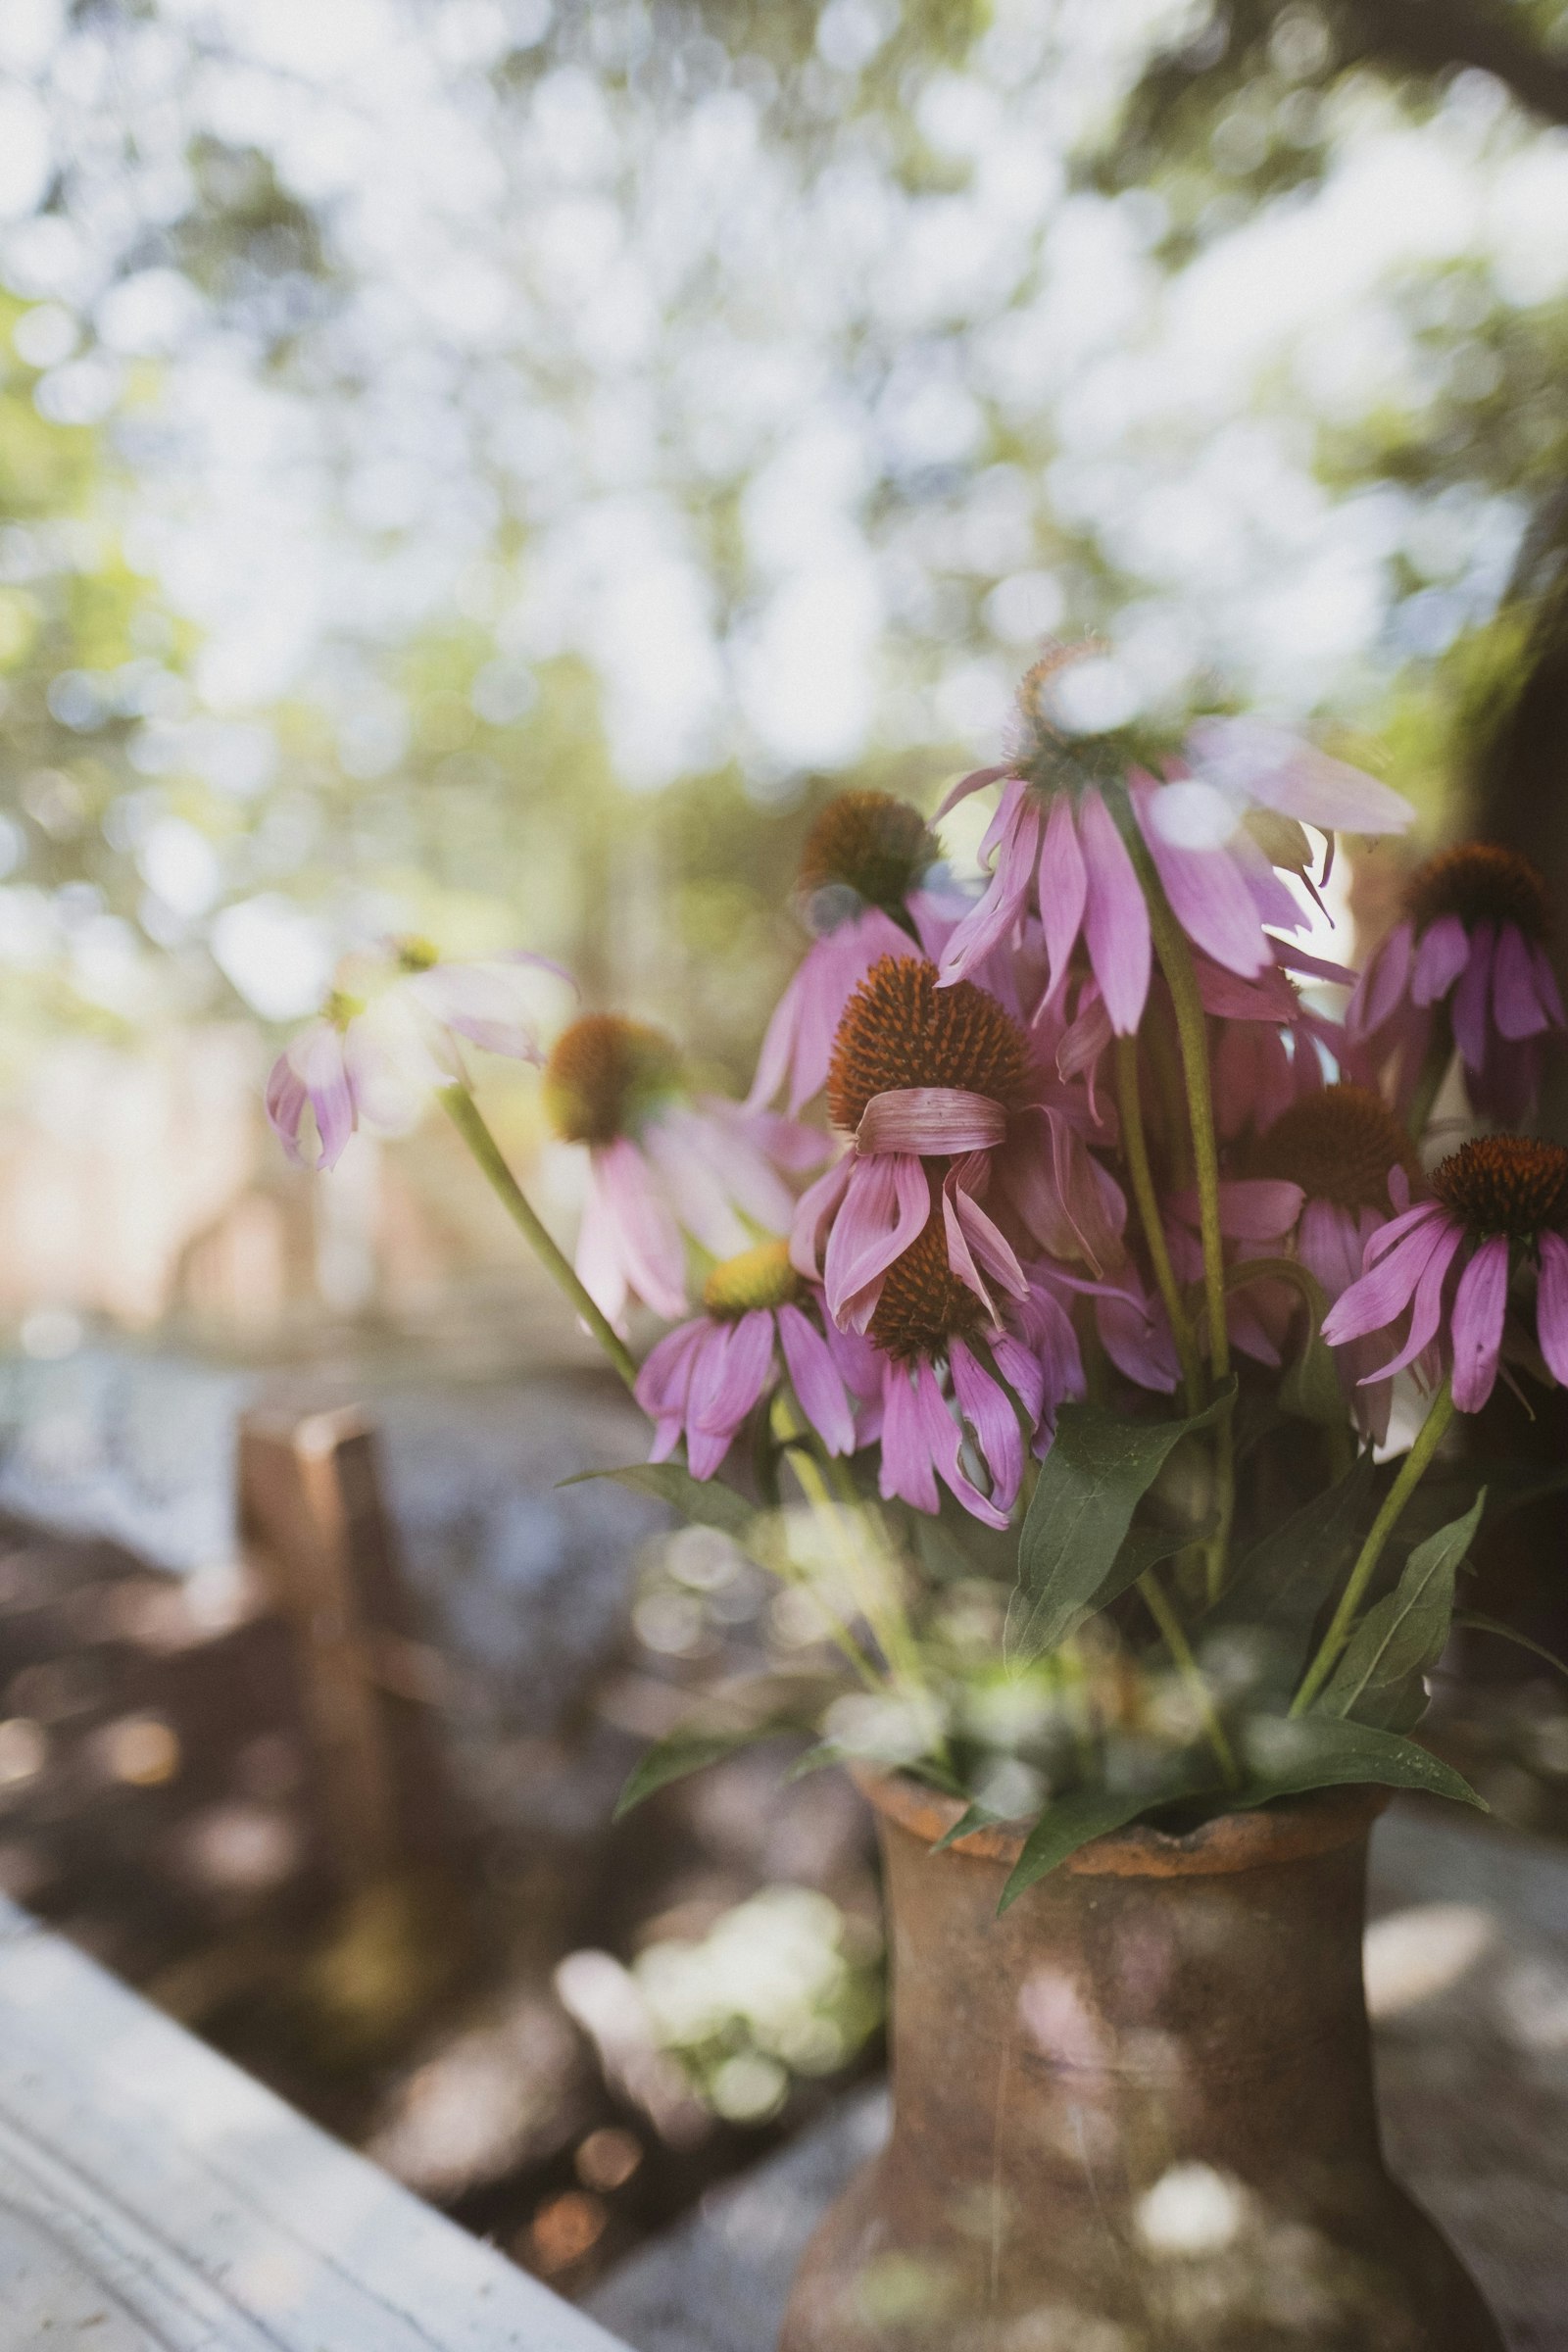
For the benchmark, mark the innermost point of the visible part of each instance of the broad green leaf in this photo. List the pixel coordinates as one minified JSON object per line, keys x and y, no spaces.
{"x":688,"y":1751}
{"x":1088,"y":1813}
{"x":1285,"y":1580}
{"x":1378,"y":1680}
{"x":1098,"y":1471}
{"x":1289,"y":1757}
{"x":1505,"y":1633}
{"x":703,"y":1500}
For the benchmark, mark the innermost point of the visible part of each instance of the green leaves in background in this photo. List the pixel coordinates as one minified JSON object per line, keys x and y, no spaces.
{"x":1379,"y":1679}
{"x":703,"y":1501}
{"x":1310,"y":1388}
{"x":1284,"y":1581}
{"x":1088,"y":1813}
{"x":1091,"y":1483}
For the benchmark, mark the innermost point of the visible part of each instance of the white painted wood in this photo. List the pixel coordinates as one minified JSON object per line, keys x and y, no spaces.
{"x":153,"y":2198}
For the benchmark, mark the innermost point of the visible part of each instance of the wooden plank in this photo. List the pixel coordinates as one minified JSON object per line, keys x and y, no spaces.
{"x":311,"y":1511}
{"x":155,"y":2199}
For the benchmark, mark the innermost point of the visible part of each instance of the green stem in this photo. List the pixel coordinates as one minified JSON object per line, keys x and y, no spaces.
{"x":463,"y":1113}
{"x":1411,"y":1471}
{"x":1435,"y":1066}
{"x":1176,"y":1642}
{"x":1135,"y":1143}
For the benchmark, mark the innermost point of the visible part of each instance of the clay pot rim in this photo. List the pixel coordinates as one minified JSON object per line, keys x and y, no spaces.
{"x":1292,"y":1830}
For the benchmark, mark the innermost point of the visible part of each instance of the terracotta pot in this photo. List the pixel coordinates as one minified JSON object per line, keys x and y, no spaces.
{"x":1136,"y":2113}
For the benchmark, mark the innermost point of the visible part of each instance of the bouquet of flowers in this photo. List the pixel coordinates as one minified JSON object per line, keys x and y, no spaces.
{"x":1043,"y":1309}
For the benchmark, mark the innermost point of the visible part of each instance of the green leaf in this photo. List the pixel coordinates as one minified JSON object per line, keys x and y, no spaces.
{"x":1098,"y":1471}
{"x":1378,"y":1680}
{"x":974,"y":1817}
{"x":1285,"y":1580}
{"x":1288,"y":1757}
{"x":1088,"y":1813}
{"x":820,"y":1758}
{"x":703,"y":1500}
{"x":692,"y":1751}
{"x":1310,"y":1388}
{"x":1505,"y":1633}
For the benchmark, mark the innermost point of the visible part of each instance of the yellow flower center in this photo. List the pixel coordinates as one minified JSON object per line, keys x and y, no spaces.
{"x":754,"y":1278}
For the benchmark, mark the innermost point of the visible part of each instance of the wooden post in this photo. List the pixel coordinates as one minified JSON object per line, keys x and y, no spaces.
{"x":311,"y":1513}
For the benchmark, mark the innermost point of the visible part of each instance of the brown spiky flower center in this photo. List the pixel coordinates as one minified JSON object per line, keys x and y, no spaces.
{"x":923,"y":1304}
{"x":1481,"y":883}
{"x":870,"y":844}
{"x":899,"y":1029}
{"x":1339,"y":1145}
{"x":605,"y":1075}
{"x":753,"y":1278}
{"x":1506,"y":1184}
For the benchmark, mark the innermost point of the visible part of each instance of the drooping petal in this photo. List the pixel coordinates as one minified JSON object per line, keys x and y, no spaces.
{"x":1384,"y":985}
{"x":1330,"y":1242}
{"x":1551,"y":1306}
{"x":942,"y":1437}
{"x":1115,"y":916}
{"x":647,"y":1235}
{"x":886,"y":1203}
{"x":814,"y":1378}
{"x":286,"y":1105}
{"x":1006,"y":895}
{"x":1472,"y":999}
{"x":937,"y":1120}
{"x":1064,"y":886}
{"x":1383,"y":1292}
{"x":991,"y":1415}
{"x":1546,"y":989}
{"x":1206,"y":889}
{"x":1426,"y":1303}
{"x":321,"y":1067}
{"x":1250,"y":757}
{"x":665,"y":1378}
{"x":1138,"y":1342}
{"x":905,"y":1470}
{"x":815,"y":1212}
{"x":1479,"y":1305}
{"x":975,"y":782}
{"x":976,"y":1246}
{"x":1515,"y":1002}
{"x":1440,"y":958}
{"x":1251,"y":1208}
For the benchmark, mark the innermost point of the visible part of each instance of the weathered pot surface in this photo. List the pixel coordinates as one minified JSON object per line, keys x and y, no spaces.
{"x":1136,"y":2113}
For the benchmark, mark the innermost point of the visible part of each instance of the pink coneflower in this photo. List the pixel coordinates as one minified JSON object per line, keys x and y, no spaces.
{"x":704,"y":1379}
{"x":928,"y":1325}
{"x":1350,"y":1166}
{"x":937,"y":1088}
{"x":393,"y":1032}
{"x":1215,"y":829}
{"x":1501,"y":1202}
{"x":1470,"y":954}
{"x":859,"y":885}
{"x":661,"y":1163}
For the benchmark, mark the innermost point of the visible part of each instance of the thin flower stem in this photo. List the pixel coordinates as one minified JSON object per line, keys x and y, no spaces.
{"x":1411,"y":1471}
{"x":1180,"y":977}
{"x":1435,"y":1066}
{"x":1135,"y":1143}
{"x":1186,"y":1666}
{"x":464,"y":1115}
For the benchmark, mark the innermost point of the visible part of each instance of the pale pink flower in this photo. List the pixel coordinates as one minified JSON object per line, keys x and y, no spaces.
{"x":394,"y":1030}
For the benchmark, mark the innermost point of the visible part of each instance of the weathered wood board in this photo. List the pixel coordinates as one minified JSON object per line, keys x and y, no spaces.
{"x":153,"y":2198}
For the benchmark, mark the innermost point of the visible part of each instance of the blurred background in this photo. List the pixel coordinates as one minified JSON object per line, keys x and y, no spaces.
{"x":489,"y":468}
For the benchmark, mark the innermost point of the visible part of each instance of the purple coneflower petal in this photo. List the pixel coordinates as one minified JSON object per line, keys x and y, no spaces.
{"x":321,"y":1064}
{"x":905,"y":1469}
{"x":1546,"y":989}
{"x":814,"y":1378}
{"x":285,"y":1104}
{"x":1384,"y":985}
{"x":1472,"y":999}
{"x":1330,"y":1241}
{"x":647,"y":1235}
{"x":993,"y":1417}
{"x":665,"y":1377}
{"x":1479,"y":1305}
{"x":975,"y":782}
{"x":1439,"y":958}
{"x":1115,"y":916}
{"x":1207,"y":893}
{"x":1064,"y":886}
{"x":942,"y":1435}
{"x":1016,"y":828}
{"x":1384,"y":1236}
{"x":1384,"y":1292}
{"x":1426,"y":1304}
{"x":1265,"y":763}
{"x":1515,"y":1000}
{"x":886,"y":1203}
{"x":1138,"y":1342}
{"x":976,"y":1245}
{"x":936,"y":1121}
{"x":1551,"y":1305}
{"x":815,"y":1212}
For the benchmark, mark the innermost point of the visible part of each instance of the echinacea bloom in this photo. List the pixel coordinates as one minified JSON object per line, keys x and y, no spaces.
{"x":392,"y":1033}
{"x":938,"y":1090}
{"x":859,"y":885}
{"x":1470,"y":951}
{"x":1352,"y":1169}
{"x":661,"y":1164}
{"x":704,"y":1379}
{"x":1443,"y":1272}
{"x":945,"y":1370}
{"x":1216,"y":828}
